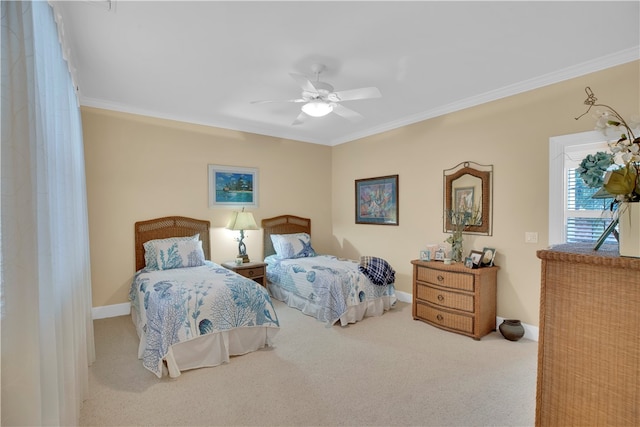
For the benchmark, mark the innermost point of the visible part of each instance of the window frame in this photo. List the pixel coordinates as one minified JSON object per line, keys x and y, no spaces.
{"x":562,"y":148}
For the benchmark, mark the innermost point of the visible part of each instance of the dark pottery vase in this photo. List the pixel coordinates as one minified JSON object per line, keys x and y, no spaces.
{"x":512,"y":329}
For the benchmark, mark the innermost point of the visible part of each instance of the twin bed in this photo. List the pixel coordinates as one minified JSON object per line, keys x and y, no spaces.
{"x":190,"y":312}
{"x":329,"y":288}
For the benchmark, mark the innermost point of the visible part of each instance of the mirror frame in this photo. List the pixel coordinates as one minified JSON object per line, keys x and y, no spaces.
{"x":485,"y":174}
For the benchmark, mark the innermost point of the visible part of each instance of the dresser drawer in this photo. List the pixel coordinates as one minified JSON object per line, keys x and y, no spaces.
{"x":444,"y":318}
{"x":446,"y":278}
{"x":446,"y":299}
{"x":251,"y":272}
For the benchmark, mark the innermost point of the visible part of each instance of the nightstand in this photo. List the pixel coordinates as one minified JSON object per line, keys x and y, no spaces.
{"x":256,"y":271}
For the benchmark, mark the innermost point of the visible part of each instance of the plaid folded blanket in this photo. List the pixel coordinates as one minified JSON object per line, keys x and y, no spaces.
{"x":377,"y":270}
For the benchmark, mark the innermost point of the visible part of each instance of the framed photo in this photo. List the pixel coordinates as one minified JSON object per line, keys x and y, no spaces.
{"x":425,"y":255}
{"x":463,"y":201}
{"x":231,"y":186}
{"x":468,"y":262}
{"x":488,"y":255}
{"x":439,"y":255}
{"x":476,"y":258}
{"x":377,"y":200}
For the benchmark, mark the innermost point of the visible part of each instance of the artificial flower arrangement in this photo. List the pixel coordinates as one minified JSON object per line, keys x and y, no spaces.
{"x":616,"y":173}
{"x":460,"y":219}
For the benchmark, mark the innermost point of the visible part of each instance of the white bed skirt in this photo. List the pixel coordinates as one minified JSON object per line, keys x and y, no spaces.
{"x":354,"y":313}
{"x":211,"y":349}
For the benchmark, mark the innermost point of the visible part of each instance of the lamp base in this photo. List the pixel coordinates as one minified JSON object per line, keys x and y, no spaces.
{"x":245,"y":258}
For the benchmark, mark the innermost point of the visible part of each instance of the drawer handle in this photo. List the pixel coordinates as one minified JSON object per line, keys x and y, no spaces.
{"x":440,"y":278}
{"x":440,"y":298}
{"x":440,"y":317}
{"x":250,"y":273}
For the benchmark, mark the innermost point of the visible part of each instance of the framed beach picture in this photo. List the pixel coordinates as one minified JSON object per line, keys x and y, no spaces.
{"x":231,"y":186}
{"x":377,"y":200}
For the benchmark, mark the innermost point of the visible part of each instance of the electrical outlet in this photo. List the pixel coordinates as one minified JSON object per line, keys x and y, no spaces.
{"x":531,"y":237}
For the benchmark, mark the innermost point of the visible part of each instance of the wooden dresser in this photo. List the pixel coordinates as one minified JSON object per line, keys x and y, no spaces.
{"x":589,"y":341}
{"x":454,"y":297}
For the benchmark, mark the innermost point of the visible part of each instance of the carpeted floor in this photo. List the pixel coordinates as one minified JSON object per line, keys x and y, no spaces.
{"x":383,"y":371}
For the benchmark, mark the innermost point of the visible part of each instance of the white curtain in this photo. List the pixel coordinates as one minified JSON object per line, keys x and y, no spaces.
{"x":47,"y":331}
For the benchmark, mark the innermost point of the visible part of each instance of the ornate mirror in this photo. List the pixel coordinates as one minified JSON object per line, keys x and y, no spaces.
{"x":467,"y":188}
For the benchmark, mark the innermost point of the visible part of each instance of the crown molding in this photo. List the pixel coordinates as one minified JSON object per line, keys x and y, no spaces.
{"x":602,"y":63}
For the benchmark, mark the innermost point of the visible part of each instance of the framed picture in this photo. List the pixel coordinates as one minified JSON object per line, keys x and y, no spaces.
{"x":231,"y":186}
{"x":463,"y":201}
{"x":476,"y":258}
{"x":377,"y":200}
{"x":439,"y":255}
{"x":488,"y":255}
{"x":468,"y":262}
{"x":425,"y":255}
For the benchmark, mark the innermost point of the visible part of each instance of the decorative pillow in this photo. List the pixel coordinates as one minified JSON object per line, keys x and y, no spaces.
{"x":297,"y":245}
{"x":151,"y":254}
{"x":184,"y":253}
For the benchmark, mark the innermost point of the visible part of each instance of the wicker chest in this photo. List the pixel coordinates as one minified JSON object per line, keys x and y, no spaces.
{"x":454,"y":297}
{"x":589,"y":342}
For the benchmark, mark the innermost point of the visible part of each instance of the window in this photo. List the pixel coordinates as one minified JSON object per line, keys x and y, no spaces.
{"x":574,"y":216}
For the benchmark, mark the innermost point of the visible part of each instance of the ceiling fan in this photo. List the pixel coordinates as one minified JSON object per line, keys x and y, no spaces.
{"x":319,"y":98}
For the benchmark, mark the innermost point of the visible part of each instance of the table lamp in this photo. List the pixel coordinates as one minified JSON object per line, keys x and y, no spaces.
{"x":242,"y":221}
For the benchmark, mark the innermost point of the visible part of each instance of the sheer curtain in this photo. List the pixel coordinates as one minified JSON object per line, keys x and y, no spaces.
{"x":47,"y":331}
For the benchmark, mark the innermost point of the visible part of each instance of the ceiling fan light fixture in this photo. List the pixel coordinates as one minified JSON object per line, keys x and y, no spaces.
{"x":317,"y":108}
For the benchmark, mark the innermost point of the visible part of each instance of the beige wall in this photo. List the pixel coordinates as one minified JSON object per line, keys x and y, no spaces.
{"x":140,"y":168}
{"x":511,"y":134}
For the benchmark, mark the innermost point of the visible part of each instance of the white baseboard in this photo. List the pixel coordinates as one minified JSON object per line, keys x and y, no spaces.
{"x":404,"y":297}
{"x":114,"y":310}
{"x":124,"y":309}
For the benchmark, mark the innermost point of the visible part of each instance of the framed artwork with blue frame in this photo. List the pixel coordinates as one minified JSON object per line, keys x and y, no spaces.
{"x":231,"y":186}
{"x":377,"y":200}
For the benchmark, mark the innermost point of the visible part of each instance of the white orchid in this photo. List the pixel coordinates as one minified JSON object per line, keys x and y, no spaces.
{"x":622,"y":177}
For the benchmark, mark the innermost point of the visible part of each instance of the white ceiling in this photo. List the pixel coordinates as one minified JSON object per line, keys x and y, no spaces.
{"x":204,"y":61}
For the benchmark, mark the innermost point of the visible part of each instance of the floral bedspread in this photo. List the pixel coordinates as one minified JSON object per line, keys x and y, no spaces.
{"x":330,"y":282}
{"x":181,"y":304}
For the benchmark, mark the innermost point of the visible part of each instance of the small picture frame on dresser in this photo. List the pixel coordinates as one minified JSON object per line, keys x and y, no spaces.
{"x":439,"y":255}
{"x":425,"y":255}
{"x":468,"y":262}
{"x":476,"y":258}
{"x":488,"y":255}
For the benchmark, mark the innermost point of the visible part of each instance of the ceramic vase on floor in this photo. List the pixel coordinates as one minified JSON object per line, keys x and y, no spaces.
{"x":511,"y":329}
{"x":629,"y":229}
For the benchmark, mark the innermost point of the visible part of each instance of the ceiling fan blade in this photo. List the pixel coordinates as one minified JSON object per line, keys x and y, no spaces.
{"x":347,"y":113}
{"x":284,"y":100}
{"x":304,"y":83}
{"x":354,"y":94}
{"x":300,"y":119}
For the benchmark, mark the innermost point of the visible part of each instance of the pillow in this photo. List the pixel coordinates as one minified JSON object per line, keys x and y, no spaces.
{"x":296,"y":245}
{"x":180,"y":254}
{"x":150,"y":253}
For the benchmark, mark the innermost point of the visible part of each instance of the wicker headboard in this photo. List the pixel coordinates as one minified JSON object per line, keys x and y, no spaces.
{"x":283,"y":224}
{"x":170,"y":226}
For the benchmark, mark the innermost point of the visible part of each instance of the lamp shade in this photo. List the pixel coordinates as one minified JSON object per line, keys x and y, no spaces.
{"x":317,"y":108}
{"x":242,"y":221}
